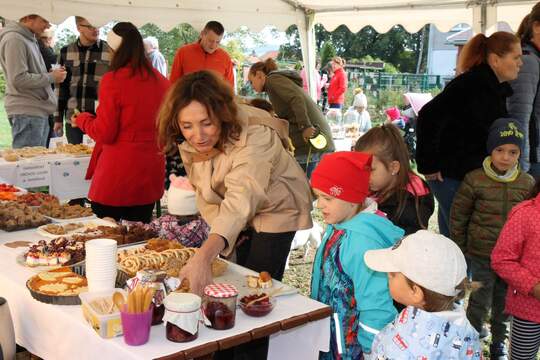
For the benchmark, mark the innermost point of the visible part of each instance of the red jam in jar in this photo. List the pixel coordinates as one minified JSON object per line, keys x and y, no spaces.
{"x":157,"y":315}
{"x":220,"y":305}
{"x":174,"y":333}
{"x":182,"y":316}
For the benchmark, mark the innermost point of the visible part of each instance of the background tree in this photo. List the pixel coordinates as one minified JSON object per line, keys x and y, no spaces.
{"x":170,"y":41}
{"x":327,"y":52}
{"x":398,"y":47}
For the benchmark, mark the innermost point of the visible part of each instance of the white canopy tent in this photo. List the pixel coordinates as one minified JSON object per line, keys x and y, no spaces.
{"x":256,"y":14}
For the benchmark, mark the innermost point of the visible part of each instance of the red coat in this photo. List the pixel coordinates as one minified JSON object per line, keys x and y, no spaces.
{"x":337,"y":88}
{"x":127,"y":167}
{"x":516,"y":258}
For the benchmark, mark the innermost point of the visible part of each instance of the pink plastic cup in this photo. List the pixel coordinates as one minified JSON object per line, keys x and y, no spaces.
{"x":136,"y":326}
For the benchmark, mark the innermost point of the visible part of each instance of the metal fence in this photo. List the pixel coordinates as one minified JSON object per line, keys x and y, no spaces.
{"x":376,"y":81}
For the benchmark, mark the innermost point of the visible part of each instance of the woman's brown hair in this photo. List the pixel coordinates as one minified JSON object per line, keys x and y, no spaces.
{"x":387,"y":144}
{"x":265,"y":66}
{"x":131,"y":50}
{"x":477,"y":49}
{"x":338,"y":60}
{"x":208,"y":89}
{"x":525,"y":30}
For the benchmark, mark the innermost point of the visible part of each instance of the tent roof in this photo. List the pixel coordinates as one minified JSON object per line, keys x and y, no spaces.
{"x":256,"y":14}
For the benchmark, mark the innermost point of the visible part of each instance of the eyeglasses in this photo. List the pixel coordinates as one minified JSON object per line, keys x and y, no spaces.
{"x":89,"y":27}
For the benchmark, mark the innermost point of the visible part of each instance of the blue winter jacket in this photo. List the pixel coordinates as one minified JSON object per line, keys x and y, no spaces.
{"x":524,"y":105}
{"x":363,"y":232}
{"x":420,"y":335}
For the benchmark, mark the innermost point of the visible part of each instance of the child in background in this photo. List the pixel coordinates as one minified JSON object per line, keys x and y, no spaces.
{"x":393,"y":116}
{"x":479,"y":210}
{"x":427,"y":273}
{"x":183,"y":223}
{"x":358,"y":296}
{"x":399,"y":192}
{"x":515,"y":258}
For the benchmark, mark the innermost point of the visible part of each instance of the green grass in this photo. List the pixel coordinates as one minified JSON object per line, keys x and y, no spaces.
{"x":5,"y":128}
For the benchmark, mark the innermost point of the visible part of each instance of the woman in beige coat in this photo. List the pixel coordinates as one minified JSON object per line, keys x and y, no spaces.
{"x":247,"y":185}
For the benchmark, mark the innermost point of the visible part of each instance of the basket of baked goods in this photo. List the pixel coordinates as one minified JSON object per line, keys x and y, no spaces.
{"x":60,"y":286}
{"x":61,"y":212}
{"x":25,"y":153}
{"x":15,"y":216}
{"x":160,"y":254}
{"x":76,"y":150}
{"x":36,"y":199}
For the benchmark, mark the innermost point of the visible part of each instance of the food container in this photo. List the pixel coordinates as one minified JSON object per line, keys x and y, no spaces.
{"x":219,"y":306}
{"x":107,"y":326}
{"x":136,"y":326}
{"x":182,"y":316}
{"x":258,"y":308}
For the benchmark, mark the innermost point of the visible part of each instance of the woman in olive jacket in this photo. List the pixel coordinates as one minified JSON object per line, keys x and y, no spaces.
{"x":452,"y":128}
{"x":290,"y":102}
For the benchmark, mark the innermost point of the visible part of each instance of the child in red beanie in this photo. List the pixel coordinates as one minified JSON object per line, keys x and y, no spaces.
{"x":359,"y":296}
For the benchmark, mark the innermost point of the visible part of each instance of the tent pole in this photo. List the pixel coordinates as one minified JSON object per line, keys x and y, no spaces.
{"x":306,"y":29}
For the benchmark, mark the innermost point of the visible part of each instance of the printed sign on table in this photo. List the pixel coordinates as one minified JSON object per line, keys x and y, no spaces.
{"x":33,"y":174}
{"x":57,"y":141}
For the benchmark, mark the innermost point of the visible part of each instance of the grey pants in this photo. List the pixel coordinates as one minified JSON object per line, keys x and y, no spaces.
{"x":29,"y":130}
{"x":492,"y":296}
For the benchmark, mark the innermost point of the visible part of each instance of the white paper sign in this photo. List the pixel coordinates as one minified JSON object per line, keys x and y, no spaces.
{"x":34,"y":174}
{"x":87,"y":140}
{"x":56,"y":141}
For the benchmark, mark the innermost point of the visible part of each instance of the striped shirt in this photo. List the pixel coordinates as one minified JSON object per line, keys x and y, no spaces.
{"x":85,"y":65}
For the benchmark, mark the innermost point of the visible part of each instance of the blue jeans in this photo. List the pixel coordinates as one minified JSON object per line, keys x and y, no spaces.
{"x":444,"y":192}
{"x":29,"y":130}
{"x":313,"y":162}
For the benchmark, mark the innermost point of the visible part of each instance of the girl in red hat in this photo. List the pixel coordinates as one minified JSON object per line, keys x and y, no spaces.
{"x":359,"y":297}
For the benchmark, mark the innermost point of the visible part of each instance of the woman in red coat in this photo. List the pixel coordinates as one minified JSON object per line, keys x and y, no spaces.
{"x":338,"y":84}
{"x":127,"y":167}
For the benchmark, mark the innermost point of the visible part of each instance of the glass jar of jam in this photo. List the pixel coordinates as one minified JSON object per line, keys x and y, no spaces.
{"x":182,"y":316}
{"x":219,"y":305}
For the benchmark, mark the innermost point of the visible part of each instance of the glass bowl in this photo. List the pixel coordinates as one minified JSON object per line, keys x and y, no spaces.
{"x":257,"y":309}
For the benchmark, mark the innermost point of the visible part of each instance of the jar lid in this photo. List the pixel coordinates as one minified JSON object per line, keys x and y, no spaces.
{"x":220,"y":290}
{"x":182,"y":302}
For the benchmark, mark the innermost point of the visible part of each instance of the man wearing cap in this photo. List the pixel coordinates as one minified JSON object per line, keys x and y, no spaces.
{"x":86,"y":60}
{"x":29,"y":96}
{"x":205,"y":54}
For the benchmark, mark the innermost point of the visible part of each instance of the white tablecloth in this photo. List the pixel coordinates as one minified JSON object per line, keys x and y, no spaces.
{"x":63,"y":174}
{"x":60,"y":332}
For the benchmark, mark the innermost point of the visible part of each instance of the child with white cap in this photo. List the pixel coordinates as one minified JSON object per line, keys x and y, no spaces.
{"x":183,"y":222}
{"x":427,"y":273}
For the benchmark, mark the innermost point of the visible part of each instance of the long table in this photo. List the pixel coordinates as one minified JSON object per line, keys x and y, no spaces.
{"x":63,"y":174}
{"x":298,"y":327}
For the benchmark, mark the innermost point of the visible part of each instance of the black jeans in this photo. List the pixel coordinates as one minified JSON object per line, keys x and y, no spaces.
{"x":141,"y":213}
{"x":260,"y":252}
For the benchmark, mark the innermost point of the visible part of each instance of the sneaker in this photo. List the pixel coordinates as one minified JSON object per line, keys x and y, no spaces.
{"x":498,"y":351}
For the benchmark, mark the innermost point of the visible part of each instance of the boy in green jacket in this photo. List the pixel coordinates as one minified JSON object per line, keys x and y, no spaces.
{"x":479,"y":211}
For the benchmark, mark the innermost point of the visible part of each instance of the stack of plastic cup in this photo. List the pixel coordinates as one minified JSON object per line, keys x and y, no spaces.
{"x":101,"y":264}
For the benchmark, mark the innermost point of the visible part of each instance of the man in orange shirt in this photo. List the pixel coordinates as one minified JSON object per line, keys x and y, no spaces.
{"x":205,"y":54}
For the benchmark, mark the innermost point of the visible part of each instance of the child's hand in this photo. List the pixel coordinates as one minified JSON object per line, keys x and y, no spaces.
{"x":536,"y":291}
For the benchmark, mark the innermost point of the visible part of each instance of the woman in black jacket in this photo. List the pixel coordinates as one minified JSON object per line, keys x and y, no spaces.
{"x":452,"y":128}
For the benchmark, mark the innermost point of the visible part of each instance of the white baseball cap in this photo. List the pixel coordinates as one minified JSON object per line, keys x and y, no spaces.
{"x":431,"y":260}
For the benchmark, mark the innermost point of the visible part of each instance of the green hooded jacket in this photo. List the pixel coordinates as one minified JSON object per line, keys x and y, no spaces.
{"x":292,"y":103}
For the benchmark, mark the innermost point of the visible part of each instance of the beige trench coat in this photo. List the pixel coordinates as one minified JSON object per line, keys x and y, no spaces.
{"x":255,"y":182}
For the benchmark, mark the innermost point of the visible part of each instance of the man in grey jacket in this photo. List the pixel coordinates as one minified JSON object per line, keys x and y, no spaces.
{"x":29,"y":97}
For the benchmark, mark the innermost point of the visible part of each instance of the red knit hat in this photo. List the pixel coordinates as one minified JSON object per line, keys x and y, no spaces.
{"x":393,"y":113}
{"x":343,"y":175}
